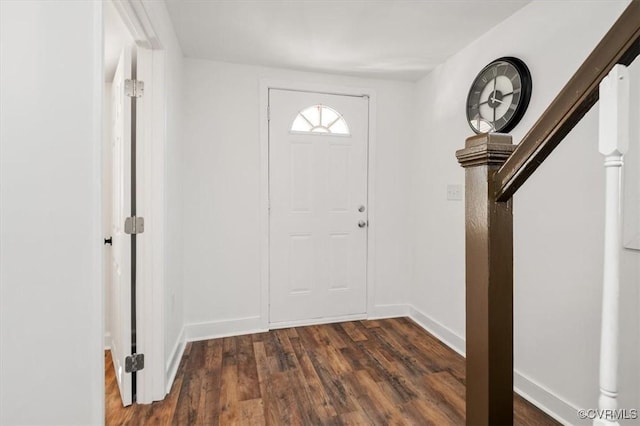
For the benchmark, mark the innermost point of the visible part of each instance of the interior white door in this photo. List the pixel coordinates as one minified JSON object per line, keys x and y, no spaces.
{"x":318,"y":205}
{"x":120,"y":286}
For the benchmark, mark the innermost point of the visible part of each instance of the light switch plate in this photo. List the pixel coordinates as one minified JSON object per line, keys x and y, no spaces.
{"x":454,"y":192}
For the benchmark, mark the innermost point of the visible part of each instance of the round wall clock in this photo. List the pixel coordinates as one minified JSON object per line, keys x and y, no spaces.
{"x":499,"y":96}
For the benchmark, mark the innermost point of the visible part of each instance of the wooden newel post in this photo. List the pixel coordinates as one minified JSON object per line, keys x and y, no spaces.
{"x":489,"y":283}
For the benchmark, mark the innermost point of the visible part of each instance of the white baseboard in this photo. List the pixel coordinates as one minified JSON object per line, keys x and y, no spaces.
{"x":388,"y":311}
{"x":315,"y":321}
{"x":378,"y":312}
{"x":224,"y":328}
{"x":540,"y":396}
{"x":443,"y":333}
{"x":107,"y":340}
{"x":174,"y":361}
{"x":546,"y":400}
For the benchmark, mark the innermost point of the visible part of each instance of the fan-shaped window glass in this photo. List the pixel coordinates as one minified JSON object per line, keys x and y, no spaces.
{"x":320,"y":119}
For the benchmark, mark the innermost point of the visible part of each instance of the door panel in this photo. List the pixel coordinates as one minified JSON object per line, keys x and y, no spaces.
{"x":317,"y":184}
{"x":120,"y":286}
{"x":338,"y":178}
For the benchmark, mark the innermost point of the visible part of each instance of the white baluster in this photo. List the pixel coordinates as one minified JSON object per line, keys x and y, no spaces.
{"x":613,"y":143}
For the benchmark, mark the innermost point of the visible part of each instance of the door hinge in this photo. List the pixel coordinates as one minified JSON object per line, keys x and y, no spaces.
{"x":268,"y":113}
{"x":133,"y":88}
{"x":133,"y":363}
{"x":134,"y":225}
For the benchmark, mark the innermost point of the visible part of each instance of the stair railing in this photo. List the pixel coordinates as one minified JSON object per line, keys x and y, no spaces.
{"x":494,"y":170}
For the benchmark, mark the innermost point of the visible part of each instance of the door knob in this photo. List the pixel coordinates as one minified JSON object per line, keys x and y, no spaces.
{"x":361,"y":209}
{"x":362,"y":223}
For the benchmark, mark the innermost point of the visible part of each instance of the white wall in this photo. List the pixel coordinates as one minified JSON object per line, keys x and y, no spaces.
{"x":51,"y":355}
{"x":222,"y":191}
{"x":173,"y":184}
{"x":558,"y":214}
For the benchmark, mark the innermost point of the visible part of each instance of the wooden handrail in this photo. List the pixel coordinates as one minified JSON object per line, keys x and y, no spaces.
{"x":621,"y":45}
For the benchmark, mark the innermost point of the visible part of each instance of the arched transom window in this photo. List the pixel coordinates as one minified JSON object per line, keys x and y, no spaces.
{"x":320,"y":119}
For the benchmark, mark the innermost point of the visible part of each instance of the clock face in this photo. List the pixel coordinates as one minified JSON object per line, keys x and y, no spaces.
{"x":499,"y":96}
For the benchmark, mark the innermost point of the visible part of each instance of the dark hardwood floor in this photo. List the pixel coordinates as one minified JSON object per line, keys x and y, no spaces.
{"x":354,"y":373}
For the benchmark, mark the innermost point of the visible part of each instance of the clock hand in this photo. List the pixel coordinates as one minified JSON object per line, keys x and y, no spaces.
{"x":492,"y":97}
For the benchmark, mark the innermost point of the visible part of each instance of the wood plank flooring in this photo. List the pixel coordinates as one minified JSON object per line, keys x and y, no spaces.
{"x":354,"y":373}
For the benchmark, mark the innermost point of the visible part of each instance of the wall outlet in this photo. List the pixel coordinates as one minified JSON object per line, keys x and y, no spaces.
{"x":454,"y":192}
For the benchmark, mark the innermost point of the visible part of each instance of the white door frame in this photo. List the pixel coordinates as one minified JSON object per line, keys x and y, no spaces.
{"x":150,"y":143}
{"x":265,"y":85}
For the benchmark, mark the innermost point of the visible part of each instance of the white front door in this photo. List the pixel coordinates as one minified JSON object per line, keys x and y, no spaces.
{"x":318,"y":145}
{"x":120,"y":285}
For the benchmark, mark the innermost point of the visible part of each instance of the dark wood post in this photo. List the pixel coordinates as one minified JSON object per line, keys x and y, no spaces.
{"x":489,"y":283}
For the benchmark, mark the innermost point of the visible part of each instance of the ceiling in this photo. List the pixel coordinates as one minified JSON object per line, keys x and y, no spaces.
{"x":395,"y":39}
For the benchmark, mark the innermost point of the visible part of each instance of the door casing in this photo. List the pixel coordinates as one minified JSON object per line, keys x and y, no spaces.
{"x":265,"y":85}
